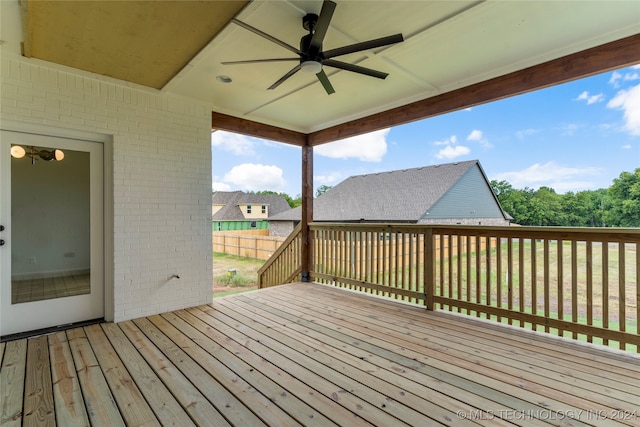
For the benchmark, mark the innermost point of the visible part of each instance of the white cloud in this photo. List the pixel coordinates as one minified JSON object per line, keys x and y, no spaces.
{"x":370,"y":147}
{"x":256,"y":177}
{"x":522,"y":134}
{"x":569,"y":129}
{"x":477,"y":135}
{"x":328,"y":179}
{"x":451,"y":152}
{"x":627,"y":147}
{"x":629,"y":102}
{"x":591,"y":99}
{"x":617,"y":76}
{"x":239,"y":145}
{"x":451,"y":140}
{"x":220,"y":186}
{"x":560,"y":178}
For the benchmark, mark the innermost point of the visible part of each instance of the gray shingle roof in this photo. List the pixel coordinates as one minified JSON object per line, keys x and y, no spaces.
{"x":231,"y":199}
{"x":402,"y":195}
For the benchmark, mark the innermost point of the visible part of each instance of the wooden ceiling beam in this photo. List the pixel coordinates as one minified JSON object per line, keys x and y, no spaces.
{"x":600,"y":59}
{"x":259,"y":130}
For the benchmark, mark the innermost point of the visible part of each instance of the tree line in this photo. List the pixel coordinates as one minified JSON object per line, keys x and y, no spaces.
{"x":616,"y":206}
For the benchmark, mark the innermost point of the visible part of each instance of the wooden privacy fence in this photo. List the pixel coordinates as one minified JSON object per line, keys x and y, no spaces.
{"x":248,"y":245}
{"x":574,"y":282}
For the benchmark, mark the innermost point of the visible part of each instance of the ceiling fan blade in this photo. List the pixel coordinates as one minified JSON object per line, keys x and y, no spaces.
{"x":322,"y":76}
{"x":266,"y":36}
{"x":326,"y":13}
{"x":285,"y":77}
{"x":358,"y":47}
{"x":355,"y":68}
{"x":251,"y":61}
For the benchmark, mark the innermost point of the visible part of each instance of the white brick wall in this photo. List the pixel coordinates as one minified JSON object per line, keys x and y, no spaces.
{"x":161,"y":177}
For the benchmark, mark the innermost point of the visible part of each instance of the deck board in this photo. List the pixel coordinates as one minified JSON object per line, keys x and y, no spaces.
{"x":543,"y":376}
{"x":38,"y":390}
{"x":69,"y":405}
{"x":307,"y":354}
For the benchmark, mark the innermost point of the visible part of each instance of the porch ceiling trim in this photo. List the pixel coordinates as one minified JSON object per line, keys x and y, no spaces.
{"x":603,"y":58}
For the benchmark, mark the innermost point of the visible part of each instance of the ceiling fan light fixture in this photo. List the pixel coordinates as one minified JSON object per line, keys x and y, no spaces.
{"x":311,"y":67}
{"x":18,"y":152}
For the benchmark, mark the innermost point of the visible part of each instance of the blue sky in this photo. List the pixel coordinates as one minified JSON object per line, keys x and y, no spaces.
{"x":572,"y":137}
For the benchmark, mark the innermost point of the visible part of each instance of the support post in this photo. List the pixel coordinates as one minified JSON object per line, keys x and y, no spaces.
{"x":429,"y":254}
{"x":307,"y":212}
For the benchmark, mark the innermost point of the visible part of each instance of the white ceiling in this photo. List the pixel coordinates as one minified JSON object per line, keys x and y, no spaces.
{"x":448,"y":45}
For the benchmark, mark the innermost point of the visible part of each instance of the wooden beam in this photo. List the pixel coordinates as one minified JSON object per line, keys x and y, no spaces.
{"x":259,"y":130}
{"x":607,"y":57}
{"x":307,"y":212}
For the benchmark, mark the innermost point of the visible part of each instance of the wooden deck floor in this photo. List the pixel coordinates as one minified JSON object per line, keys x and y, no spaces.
{"x":312,"y":355}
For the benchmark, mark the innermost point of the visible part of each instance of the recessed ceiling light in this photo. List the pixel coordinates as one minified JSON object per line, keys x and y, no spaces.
{"x":224,"y":79}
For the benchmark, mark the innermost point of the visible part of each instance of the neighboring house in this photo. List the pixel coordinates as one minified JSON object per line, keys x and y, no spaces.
{"x":453,"y":193}
{"x":236,"y":210}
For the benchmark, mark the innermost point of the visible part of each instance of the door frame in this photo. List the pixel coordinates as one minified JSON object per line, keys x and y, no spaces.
{"x":107,"y":203}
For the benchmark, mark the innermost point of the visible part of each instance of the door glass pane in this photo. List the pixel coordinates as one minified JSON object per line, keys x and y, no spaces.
{"x":50,"y":245}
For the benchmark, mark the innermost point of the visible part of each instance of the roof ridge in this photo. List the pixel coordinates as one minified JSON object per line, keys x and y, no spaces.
{"x":415,"y":168}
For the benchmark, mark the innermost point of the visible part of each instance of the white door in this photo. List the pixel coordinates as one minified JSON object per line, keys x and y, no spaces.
{"x":51,"y":221}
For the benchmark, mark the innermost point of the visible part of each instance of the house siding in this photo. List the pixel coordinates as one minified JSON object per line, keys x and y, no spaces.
{"x":240,"y":225}
{"x":469,"y":201}
{"x":161,"y":177}
{"x":281,"y":228}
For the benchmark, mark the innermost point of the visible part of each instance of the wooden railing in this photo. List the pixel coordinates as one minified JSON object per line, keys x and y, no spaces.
{"x":575,"y":282}
{"x":284,"y":266}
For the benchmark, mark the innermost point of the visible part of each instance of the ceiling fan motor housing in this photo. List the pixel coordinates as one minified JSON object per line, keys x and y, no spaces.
{"x":309,"y":21}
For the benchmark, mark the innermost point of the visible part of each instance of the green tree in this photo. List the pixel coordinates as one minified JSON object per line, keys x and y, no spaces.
{"x":623,"y":201}
{"x":547,"y":207}
{"x":292,"y":202}
{"x":514,"y":202}
{"x":323,"y":189}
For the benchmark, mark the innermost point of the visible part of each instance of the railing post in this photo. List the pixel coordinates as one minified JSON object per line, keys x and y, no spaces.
{"x":307,"y":212}
{"x":428,"y":284}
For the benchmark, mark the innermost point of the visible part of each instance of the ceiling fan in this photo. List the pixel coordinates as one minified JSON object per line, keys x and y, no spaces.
{"x":311,"y":56}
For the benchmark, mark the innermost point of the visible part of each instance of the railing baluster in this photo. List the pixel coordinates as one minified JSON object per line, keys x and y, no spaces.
{"x":468,"y":272}
{"x":488,"y":271}
{"x":560,"y":276}
{"x":499,"y":282}
{"x":574,"y":284}
{"x":546,"y":281}
{"x":521,"y":283}
{"x":478,"y":253}
{"x":605,"y":288}
{"x":622,"y":294}
{"x":459,"y":251}
{"x":449,"y":255}
{"x":589,"y":287}
{"x":534,"y":281}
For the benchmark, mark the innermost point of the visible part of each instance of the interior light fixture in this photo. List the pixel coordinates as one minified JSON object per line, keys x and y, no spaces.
{"x":311,"y":67}
{"x":19,"y":152}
